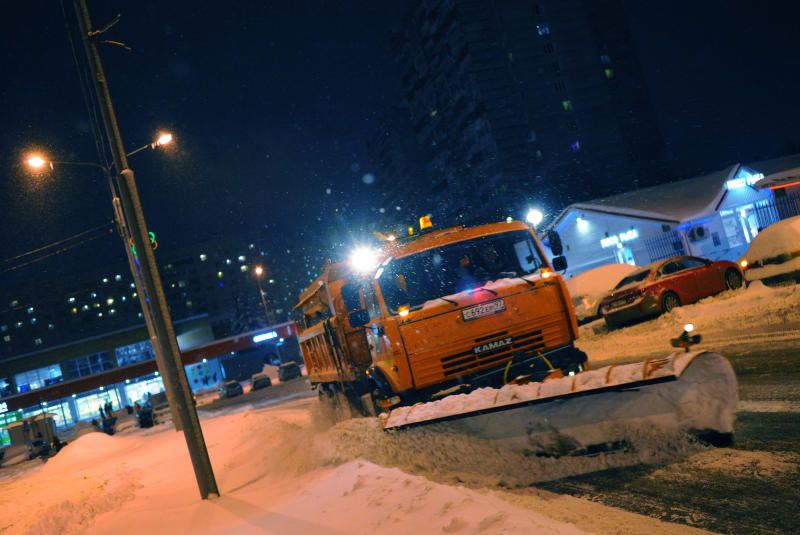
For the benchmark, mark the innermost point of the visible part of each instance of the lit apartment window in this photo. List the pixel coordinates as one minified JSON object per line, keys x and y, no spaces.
{"x":567,"y":105}
{"x":576,"y":145}
{"x":605,"y":59}
{"x":30,"y":310}
{"x":609,"y":73}
{"x":543,"y":29}
{"x":38,"y":342}
{"x":203,"y":258}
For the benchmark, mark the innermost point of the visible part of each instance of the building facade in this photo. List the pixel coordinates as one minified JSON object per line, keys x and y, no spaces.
{"x":517,"y":102}
{"x":713,"y":216}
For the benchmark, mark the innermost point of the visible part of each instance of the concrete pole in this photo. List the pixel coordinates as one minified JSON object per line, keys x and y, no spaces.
{"x":162,"y":330}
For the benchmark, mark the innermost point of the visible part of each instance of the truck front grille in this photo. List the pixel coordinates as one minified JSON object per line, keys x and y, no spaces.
{"x":466,"y":361}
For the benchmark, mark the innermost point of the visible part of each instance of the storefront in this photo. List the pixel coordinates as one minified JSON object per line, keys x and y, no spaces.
{"x":714,"y":216}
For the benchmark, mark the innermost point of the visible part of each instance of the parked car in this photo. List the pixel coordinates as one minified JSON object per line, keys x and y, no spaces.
{"x":288,"y":370}
{"x":666,"y":284}
{"x":774,"y":254}
{"x":590,"y":287}
{"x":230,"y":389}
{"x":260,"y":380}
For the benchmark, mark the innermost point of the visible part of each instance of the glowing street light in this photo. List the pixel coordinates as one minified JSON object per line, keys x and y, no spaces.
{"x":36,"y":161}
{"x":164,"y":139}
{"x":534,"y":216}
{"x":259,"y":271}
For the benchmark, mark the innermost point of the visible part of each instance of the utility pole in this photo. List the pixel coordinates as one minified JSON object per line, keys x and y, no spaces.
{"x":144,"y":268}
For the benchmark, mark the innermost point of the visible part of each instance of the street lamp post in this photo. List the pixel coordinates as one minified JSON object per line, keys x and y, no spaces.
{"x":259,"y":271}
{"x":160,"y":326}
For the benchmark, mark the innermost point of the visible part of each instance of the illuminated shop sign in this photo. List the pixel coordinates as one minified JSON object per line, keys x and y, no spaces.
{"x":622,"y":237}
{"x":742,"y":181}
{"x":3,"y":407}
{"x":264,"y":336}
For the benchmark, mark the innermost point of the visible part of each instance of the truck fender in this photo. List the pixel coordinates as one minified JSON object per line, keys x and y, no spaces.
{"x":381,"y":379}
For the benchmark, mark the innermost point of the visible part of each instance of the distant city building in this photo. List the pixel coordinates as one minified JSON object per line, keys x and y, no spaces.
{"x":514,"y":103}
{"x":214,"y":279}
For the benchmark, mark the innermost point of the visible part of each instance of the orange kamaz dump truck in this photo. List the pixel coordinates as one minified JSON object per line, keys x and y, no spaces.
{"x":437,"y":313}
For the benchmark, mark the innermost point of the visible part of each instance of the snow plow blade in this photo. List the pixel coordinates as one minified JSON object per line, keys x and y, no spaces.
{"x":685,"y":392}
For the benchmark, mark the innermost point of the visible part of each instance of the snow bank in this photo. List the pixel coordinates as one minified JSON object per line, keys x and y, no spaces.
{"x":754,"y":318}
{"x":595,"y":283}
{"x":281,"y":471}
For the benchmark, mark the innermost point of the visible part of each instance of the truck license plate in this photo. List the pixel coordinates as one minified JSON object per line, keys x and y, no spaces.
{"x":484,"y":309}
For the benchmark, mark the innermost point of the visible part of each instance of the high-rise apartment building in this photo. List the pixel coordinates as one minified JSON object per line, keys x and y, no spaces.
{"x":516,"y":102}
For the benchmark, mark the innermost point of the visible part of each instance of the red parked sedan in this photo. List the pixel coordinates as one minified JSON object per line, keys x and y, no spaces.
{"x":666,"y":284}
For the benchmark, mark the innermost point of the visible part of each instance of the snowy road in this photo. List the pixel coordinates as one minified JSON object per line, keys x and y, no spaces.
{"x":750,"y":488}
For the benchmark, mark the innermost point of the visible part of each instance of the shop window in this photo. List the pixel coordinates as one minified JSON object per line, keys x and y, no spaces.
{"x":142,"y":389}
{"x":5,"y":388}
{"x":38,"y":378}
{"x":89,"y":406}
{"x":133,"y":353}
{"x":88,"y":365}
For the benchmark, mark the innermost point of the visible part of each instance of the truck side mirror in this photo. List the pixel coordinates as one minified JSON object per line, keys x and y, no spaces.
{"x":554,"y":242}
{"x":358,"y":318}
{"x":560,"y":263}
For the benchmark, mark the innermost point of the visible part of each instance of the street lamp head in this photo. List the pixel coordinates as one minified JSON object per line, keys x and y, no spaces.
{"x":259,"y":271}
{"x":164,"y":139}
{"x":35,"y":161}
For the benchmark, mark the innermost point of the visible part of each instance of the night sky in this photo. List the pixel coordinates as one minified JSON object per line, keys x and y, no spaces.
{"x":271,"y":104}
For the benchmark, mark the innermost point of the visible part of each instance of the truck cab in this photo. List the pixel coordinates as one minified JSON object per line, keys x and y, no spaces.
{"x":452,"y":310}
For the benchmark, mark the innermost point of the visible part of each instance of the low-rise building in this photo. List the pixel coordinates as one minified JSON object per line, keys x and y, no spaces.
{"x":713,"y":216}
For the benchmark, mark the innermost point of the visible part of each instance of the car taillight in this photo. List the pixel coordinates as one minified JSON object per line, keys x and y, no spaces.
{"x":743,"y":263}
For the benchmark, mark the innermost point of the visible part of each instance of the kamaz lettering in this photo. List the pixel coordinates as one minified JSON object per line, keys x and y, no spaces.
{"x":497,"y":344}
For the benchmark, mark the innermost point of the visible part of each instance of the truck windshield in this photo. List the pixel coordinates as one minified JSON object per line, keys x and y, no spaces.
{"x":436,"y":273}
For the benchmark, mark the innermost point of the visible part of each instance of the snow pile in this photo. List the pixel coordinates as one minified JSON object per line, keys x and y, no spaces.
{"x":757,"y":317}
{"x":589,"y":288}
{"x":280,"y":472}
{"x":781,"y":238}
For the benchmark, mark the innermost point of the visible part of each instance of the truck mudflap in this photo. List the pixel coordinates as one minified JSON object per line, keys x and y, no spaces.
{"x":694,"y":392}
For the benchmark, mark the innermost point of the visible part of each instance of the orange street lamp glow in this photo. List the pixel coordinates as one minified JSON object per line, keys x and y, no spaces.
{"x":164,"y":139}
{"x":36,"y":161}
{"x":259,"y":270}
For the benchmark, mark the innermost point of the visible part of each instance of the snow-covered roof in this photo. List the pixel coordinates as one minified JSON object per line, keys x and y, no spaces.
{"x":688,"y":199}
{"x":778,"y":171}
{"x":671,"y":202}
